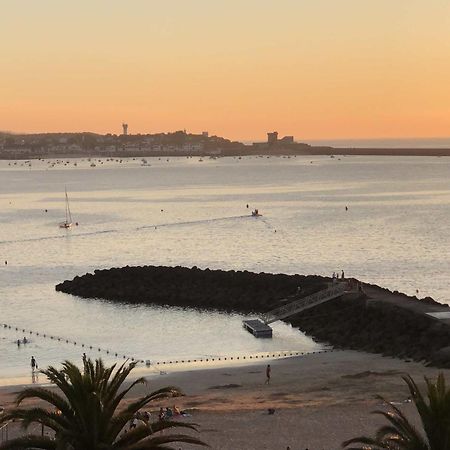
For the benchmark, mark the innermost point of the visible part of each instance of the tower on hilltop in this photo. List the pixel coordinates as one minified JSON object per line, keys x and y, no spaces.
{"x":125,"y":129}
{"x":272,"y":138}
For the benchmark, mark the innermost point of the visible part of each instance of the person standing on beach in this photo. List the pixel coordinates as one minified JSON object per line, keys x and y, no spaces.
{"x":268,"y":372}
{"x":34,"y":365}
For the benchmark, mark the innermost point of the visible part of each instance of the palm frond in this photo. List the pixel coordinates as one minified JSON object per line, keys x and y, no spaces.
{"x":30,"y":442}
{"x":140,"y":432}
{"x":157,"y":441}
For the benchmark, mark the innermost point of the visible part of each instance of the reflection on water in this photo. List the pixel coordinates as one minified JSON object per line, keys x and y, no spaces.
{"x":183,"y":212}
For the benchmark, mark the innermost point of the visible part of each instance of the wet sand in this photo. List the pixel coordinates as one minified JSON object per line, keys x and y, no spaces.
{"x":319,"y":399}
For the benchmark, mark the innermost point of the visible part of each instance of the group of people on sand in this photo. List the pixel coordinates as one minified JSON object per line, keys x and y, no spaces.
{"x":145,"y":417}
{"x":170,"y":413}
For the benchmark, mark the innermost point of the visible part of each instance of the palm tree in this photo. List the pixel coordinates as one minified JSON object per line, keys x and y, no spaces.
{"x":85,"y":415}
{"x":400,"y":434}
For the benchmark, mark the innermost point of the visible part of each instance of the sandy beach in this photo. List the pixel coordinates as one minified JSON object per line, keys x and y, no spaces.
{"x":319,"y":399}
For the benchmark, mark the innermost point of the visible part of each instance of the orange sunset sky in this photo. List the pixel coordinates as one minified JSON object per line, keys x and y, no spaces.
{"x":317,"y":69}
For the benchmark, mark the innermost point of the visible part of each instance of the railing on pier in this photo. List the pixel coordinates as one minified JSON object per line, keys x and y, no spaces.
{"x":335,"y":290}
{"x":4,"y":429}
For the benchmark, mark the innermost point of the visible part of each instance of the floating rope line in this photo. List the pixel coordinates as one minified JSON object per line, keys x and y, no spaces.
{"x":270,"y":355}
{"x":151,"y":363}
{"x":70,"y":341}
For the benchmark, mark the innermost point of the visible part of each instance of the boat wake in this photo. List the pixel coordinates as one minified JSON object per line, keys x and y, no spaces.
{"x":73,"y":234}
{"x":60,"y":236}
{"x":192,"y":222}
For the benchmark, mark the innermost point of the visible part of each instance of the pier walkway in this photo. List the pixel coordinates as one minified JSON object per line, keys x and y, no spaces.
{"x":334,"y":290}
{"x":261,"y":328}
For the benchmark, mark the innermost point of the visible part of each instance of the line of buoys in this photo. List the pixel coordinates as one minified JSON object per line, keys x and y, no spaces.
{"x":240,"y":357}
{"x":148,"y":363}
{"x":69,"y":341}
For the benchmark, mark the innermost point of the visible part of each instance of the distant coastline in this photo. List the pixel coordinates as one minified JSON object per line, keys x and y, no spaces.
{"x":181,"y":143}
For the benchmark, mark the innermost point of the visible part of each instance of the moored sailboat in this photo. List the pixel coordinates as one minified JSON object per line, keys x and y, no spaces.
{"x":68,"y":222}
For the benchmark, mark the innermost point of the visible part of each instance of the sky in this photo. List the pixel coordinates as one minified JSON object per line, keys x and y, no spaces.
{"x":315,"y":69}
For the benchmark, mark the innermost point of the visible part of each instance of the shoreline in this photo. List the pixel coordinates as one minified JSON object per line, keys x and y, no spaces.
{"x":175,"y":367}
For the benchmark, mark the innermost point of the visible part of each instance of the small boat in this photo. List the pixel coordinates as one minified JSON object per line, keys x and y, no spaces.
{"x":68,"y":222}
{"x":256,"y":213}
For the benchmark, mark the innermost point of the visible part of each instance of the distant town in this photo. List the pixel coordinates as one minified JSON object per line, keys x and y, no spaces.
{"x":178,"y":143}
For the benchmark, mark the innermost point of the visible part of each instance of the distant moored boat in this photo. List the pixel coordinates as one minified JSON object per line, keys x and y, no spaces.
{"x":68,"y":222}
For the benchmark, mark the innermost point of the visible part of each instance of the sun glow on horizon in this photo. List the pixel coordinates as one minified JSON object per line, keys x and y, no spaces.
{"x":313,"y":69}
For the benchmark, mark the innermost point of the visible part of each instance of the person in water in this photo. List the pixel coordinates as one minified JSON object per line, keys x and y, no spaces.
{"x":34,"y":365}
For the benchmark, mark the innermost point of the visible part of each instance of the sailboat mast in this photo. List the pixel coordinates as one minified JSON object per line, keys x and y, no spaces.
{"x":68,"y":214}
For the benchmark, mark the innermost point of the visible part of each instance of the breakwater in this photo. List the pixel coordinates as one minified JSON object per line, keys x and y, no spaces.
{"x":239,"y":291}
{"x":378,"y":321}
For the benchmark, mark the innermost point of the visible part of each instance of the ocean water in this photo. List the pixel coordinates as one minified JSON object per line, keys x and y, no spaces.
{"x":183,"y":211}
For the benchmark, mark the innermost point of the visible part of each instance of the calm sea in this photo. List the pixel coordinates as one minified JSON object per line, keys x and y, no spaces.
{"x":188,"y":212}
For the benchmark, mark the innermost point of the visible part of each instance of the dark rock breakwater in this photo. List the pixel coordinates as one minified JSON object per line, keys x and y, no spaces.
{"x":239,"y":291}
{"x":380,"y":321}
